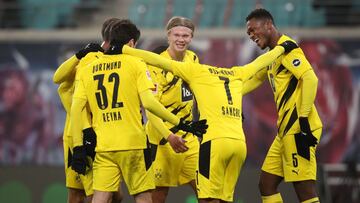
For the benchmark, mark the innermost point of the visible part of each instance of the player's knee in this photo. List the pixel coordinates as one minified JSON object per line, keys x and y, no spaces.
{"x":305,"y":189}
{"x":159,"y":194}
{"x":117,"y":197}
{"x":266,"y":187}
{"x":76,"y":196}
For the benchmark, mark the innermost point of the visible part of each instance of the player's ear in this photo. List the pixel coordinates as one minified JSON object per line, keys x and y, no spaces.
{"x":131,"y":43}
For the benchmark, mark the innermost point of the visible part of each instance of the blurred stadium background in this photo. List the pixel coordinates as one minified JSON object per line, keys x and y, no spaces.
{"x":37,"y":35}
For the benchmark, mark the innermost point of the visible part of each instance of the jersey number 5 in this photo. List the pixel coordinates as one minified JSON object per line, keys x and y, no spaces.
{"x":227,"y":89}
{"x":101,"y":96}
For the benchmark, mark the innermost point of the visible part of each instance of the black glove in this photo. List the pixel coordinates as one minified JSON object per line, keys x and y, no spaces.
{"x":197,"y":128}
{"x":289,"y":46}
{"x":79,"y":160}
{"x":306,"y":131}
{"x":92,"y":47}
{"x":89,"y":141}
{"x":305,"y":139}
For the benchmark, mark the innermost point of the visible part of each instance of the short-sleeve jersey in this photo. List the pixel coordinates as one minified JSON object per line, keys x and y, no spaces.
{"x":66,"y":95}
{"x":218,"y":95}
{"x":174,"y":94}
{"x":111,"y":85}
{"x":284,"y":74}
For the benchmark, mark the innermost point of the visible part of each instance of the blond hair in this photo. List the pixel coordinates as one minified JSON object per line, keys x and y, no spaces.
{"x":180,"y":21}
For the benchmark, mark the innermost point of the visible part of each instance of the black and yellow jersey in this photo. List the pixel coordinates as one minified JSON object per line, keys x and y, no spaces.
{"x":284,"y":74}
{"x":174,"y":94}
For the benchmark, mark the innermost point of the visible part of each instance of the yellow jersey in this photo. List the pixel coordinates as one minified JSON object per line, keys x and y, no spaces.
{"x":174,"y":94}
{"x":283,"y":75}
{"x":111,"y":85}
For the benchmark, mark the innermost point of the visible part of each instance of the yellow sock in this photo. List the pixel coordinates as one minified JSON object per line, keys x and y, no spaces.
{"x":312,"y":200}
{"x":276,"y":198}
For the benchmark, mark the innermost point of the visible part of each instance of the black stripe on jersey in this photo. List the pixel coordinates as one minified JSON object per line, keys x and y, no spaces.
{"x":194,"y":59}
{"x":293,"y":118}
{"x":147,"y":157}
{"x":69,"y":159}
{"x":163,"y":141}
{"x":171,"y":84}
{"x":177,"y":109}
{"x":281,"y":68}
{"x":204,"y":159}
{"x":282,"y":120}
{"x":153,"y":148}
{"x":289,"y":91}
{"x":167,"y":106}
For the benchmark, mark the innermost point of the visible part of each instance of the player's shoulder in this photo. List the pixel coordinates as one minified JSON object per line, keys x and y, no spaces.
{"x":125,"y":58}
{"x":90,"y":57}
{"x":192,"y":55}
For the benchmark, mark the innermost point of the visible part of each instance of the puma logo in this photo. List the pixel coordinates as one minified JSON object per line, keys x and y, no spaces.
{"x":296,"y":171}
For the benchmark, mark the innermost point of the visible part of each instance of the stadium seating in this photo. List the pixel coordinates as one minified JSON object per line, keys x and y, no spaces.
{"x":220,"y":13}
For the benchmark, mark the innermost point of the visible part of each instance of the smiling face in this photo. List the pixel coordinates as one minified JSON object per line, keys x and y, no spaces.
{"x":259,"y":31}
{"x":179,"y":38}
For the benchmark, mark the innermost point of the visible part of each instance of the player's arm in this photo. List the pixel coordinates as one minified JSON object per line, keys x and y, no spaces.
{"x":159,"y":125}
{"x":254,"y":82}
{"x":66,"y":70}
{"x":151,"y":104}
{"x":309,"y":83}
{"x":152,"y":58}
{"x":76,"y":120}
{"x":65,"y":95}
{"x":266,"y":59}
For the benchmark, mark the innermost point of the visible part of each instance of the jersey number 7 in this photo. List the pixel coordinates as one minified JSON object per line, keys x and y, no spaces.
{"x":227,"y":89}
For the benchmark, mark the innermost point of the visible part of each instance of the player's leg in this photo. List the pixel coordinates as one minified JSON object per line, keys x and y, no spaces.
{"x":143,"y":197}
{"x":117,"y":196}
{"x":272,"y":173}
{"x":166,"y":167}
{"x":306,"y":190}
{"x":101,"y":197}
{"x":219,"y":168}
{"x":159,"y":194}
{"x":138,"y":175}
{"x":189,"y":163}
{"x":76,"y":195}
{"x":301,"y":171}
{"x":106,"y":176}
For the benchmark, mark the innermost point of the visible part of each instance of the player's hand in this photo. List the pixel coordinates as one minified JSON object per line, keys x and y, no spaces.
{"x":92,"y":47}
{"x":289,"y":46}
{"x":177,"y":143}
{"x":305,"y":139}
{"x":89,"y":141}
{"x":306,"y":131}
{"x":197,"y":128}
{"x":79,"y":161}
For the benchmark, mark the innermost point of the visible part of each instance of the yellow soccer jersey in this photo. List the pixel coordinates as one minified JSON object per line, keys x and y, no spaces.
{"x":66,"y":91}
{"x":111,"y":85}
{"x":219,"y":97}
{"x":283,"y":75}
{"x":174,"y":94}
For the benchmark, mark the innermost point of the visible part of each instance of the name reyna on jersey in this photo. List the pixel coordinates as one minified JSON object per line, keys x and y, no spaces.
{"x":111,"y":116}
{"x":106,"y":66}
{"x":231,"y":111}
